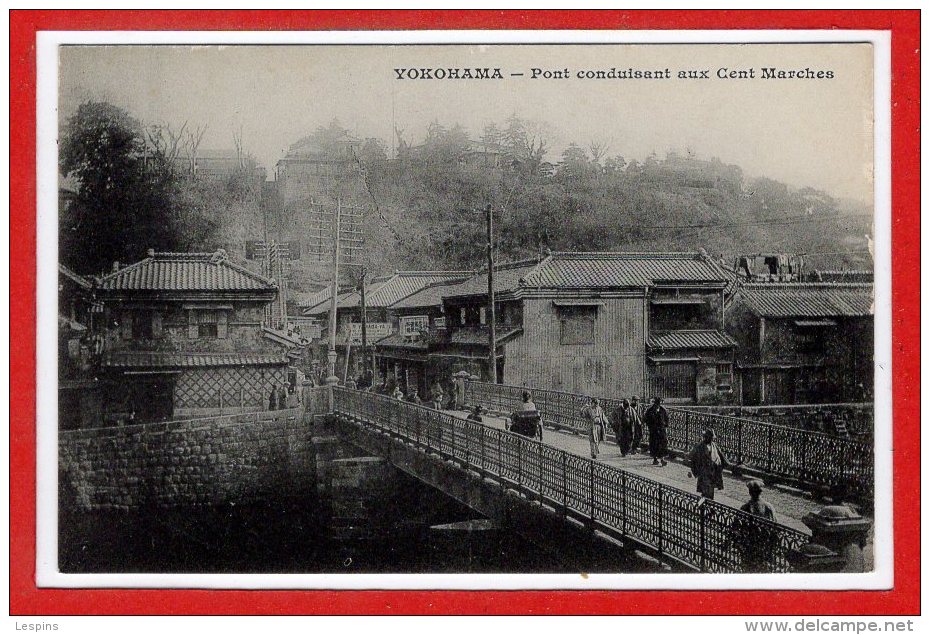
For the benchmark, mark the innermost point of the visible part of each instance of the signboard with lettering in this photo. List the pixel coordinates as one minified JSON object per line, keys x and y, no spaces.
{"x":376,"y":331}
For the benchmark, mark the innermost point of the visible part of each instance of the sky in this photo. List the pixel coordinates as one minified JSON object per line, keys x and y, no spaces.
{"x":805,"y":132}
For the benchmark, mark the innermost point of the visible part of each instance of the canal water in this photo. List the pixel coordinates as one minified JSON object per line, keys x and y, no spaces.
{"x":297,"y":536}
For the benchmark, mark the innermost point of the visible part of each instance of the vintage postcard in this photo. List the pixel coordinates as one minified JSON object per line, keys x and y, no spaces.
{"x":464,"y":310}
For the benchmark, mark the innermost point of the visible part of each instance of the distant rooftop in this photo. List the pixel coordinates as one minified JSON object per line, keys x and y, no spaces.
{"x":808,"y":299}
{"x":429,"y":296}
{"x":844,"y":275}
{"x":78,"y":279}
{"x":385,"y":290}
{"x":598,"y":270}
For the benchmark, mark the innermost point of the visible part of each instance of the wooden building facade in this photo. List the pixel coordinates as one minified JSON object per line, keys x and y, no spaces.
{"x":184,"y":337}
{"x":382,"y":294}
{"x":804,"y":342}
{"x":608,"y":323}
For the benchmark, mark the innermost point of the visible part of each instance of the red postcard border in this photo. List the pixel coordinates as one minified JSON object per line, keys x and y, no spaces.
{"x":27,"y":599}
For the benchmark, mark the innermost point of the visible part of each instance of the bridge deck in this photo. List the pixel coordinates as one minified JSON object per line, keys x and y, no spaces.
{"x":790,"y":505}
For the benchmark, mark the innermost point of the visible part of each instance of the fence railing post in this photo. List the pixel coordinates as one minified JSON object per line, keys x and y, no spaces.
{"x":661,"y":516}
{"x":452,"y":432}
{"x":770,"y":458}
{"x":623,"y":492}
{"x":539,"y":471}
{"x":500,"y":456}
{"x":483,"y":459}
{"x":739,"y":441}
{"x":804,"y":460}
{"x":564,"y":483}
{"x":703,"y":517}
{"x":467,"y":428}
{"x":591,"y":483}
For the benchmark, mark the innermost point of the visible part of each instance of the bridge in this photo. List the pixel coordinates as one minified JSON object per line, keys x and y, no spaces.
{"x":549,"y":488}
{"x":613,"y":514}
{"x":815,"y":461}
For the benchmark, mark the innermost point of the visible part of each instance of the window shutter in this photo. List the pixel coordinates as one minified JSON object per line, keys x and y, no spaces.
{"x":222,"y":318}
{"x":125,"y":325}
{"x":192,"y":324}
{"x":156,"y":324}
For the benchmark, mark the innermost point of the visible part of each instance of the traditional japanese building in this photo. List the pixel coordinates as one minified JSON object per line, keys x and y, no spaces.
{"x":804,"y":342}
{"x":380,"y":295}
{"x":411,"y":357}
{"x":602,"y":323}
{"x":184,"y":337}
{"x":80,"y":315}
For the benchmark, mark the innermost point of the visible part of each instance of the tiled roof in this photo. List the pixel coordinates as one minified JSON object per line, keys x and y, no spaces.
{"x":186,"y":272}
{"x":145,"y":359}
{"x":281,"y":337}
{"x":386,"y":291}
{"x":67,"y":323}
{"x":79,"y":280}
{"x":478,"y":336}
{"x":322,"y":306}
{"x":798,"y":300}
{"x":398,"y":340}
{"x":677,"y":340}
{"x":507,"y":277}
{"x":618,"y":269}
{"x":428,"y":296}
{"x":307,"y":299}
{"x":597,"y":270}
{"x":845,"y":275}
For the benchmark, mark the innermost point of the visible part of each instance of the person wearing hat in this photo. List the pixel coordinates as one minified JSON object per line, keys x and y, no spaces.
{"x":756,"y":506}
{"x":755,"y":543}
{"x":621,"y":420}
{"x":656,"y":419}
{"x":707,"y":463}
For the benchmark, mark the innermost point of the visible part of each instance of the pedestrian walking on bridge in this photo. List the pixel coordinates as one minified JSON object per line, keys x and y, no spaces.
{"x":437,"y":395}
{"x":656,"y":418}
{"x":595,"y":423}
{"x":707,"y":463}
{"x":756,"y":542}
{"x":621,"y":420}
{"x":637,"y":426}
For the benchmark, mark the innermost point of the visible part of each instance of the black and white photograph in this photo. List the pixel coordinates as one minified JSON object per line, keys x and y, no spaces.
{"x":596,"y":313}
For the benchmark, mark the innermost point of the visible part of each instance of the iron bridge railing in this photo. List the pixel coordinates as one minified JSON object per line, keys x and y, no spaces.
{"x":791,"y":455}
{"x":700,"y":533}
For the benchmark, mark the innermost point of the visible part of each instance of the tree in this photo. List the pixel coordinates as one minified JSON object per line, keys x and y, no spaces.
{"x":575,"y":163}
{"x":614,"y":165}
{"x":128,"y":197}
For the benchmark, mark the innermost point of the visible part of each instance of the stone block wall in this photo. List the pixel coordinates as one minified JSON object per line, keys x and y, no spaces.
{"x":234,"y":459}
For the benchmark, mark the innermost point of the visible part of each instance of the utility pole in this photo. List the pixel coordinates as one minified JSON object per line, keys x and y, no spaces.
{"x":492,"y":328}
{"x":332,"y":379}
{"x":365,"y":326}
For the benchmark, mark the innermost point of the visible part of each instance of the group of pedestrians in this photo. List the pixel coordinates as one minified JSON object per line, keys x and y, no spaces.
{"x":707,"y":460}
{"x":436,"y":397}
{"x":628,"y":423}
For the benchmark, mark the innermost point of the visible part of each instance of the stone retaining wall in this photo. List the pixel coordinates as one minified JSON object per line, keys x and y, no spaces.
{"x":215,"y":461}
